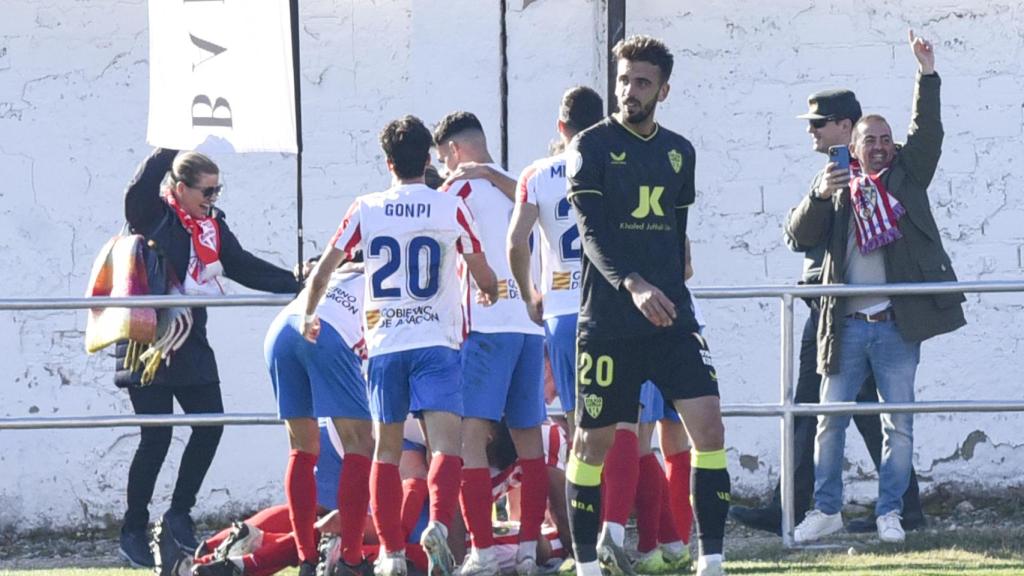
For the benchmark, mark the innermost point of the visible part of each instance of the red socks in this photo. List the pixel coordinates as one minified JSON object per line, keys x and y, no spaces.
{"x":677,"y":472}
{"x":443,"y":481}
{"x":353,"y":496}
{"x":300,"y":491}
{"x":534,"y":500}
{"x":414,"y":494}
{"x":476,"y":505}
{"x":621,"y":474}
{"x":649,"y":502}
{"x":386,"y":505}
{"x":667,"y":525}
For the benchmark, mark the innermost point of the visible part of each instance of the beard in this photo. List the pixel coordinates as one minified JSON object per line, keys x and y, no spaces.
{"x":639,"y":114}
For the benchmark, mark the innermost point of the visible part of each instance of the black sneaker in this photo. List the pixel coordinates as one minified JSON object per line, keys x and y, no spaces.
{"x":182,"y":529}
{"x":216,"y":568}
{"x":168,"y":557}
{"x":307,"y":569}
{"x":767,"y":519}
{"x":135,"y":548}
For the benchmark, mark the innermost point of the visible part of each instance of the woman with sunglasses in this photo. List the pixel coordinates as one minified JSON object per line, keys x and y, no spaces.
{"x":171,"y":202}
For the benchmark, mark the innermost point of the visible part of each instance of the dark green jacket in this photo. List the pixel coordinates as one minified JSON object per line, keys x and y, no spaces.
{"x":916,"y":257}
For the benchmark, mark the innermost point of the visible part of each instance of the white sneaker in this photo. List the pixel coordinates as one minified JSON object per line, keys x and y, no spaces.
{"x":435,"y":543}
{"x":710,"y":566}
{"x":816,"y":525}
{"x":479,"y":563}
{"x":889,"y":527}
{"x":330,"y":555}
{"x":391,"y":564}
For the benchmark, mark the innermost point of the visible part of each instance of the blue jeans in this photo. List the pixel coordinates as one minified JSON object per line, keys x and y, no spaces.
{"x":868,"y":348}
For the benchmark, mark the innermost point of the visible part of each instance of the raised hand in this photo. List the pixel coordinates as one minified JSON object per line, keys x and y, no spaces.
{"x":923,"y":52}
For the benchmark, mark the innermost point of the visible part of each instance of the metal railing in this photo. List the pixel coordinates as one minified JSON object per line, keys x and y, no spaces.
{"x":786,"y":409}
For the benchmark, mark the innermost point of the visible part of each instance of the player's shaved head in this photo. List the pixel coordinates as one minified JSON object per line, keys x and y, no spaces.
{"x":642,"y":48}
{"x":460,"y":124}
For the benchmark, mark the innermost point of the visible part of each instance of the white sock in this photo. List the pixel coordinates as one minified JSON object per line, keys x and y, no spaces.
{"x":675,"y":548}
{"x":710,"y":559}
{"x":615,"y":531}
{"x":527,"y":549}
{"x":485,"y":555}
{"x":588,"y":569}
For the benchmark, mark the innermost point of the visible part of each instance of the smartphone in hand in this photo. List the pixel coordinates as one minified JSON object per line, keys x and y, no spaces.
{"x":840,"y":155}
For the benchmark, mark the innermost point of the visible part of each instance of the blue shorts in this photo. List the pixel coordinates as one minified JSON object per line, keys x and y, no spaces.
{"x":503,"y":375}
{"x":561,"y":343}
{"x":314,"y":380}
{"x":413,"y":381}
{"x":653,"y":406}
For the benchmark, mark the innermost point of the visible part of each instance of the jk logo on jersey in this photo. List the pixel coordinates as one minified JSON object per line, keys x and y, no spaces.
{"x":593,"y":404}
{"x":676,"y":159}
{"x":650,"y":201}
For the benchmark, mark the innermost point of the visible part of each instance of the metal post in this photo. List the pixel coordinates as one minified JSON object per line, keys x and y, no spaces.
{"x":616,"y":32}
{"x":786,"y":474}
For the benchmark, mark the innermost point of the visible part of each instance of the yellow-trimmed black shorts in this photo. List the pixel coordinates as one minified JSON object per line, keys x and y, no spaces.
{"x":610,"y":372}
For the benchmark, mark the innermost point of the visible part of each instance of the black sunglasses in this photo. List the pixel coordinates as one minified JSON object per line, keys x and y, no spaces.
{"x":820,"y":123}
{"x":208,"y":192}
{"x":211,"y":191}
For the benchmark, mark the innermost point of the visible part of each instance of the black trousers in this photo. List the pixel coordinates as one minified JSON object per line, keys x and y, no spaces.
{"x":156,"y":440}
{"x":808,"y":391}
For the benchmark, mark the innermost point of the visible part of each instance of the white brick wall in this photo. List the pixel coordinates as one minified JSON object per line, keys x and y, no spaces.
{"x":73,"y":105}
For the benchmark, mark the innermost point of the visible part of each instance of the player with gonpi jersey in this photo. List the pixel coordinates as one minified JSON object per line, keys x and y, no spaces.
{"x":541,"y":199}
{"x":412,"y":238}
{"x":502,"y":362}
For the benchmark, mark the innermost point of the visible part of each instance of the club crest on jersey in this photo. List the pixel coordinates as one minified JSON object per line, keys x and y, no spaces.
{"x":618,"y":159}
{"x":593,"y":404}
{"x":676,"y":159}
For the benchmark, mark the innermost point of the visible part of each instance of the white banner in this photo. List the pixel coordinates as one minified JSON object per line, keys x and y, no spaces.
{"x":221,"y":69}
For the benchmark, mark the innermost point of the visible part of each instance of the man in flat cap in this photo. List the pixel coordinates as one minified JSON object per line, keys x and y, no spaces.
{"x":877,"y":227}
{"x":831,"y":117}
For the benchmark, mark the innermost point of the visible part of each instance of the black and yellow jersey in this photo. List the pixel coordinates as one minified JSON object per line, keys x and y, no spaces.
{"x":631,"y":195}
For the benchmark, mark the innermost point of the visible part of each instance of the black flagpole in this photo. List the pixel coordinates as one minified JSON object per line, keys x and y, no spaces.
{"x":616,"y":32}
{"x":294,"y":5}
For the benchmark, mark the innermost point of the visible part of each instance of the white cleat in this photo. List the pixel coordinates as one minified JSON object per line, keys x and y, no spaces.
{"x":435,"y":543}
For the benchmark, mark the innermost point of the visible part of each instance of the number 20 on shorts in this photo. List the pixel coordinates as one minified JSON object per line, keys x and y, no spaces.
{"x":604,"y":370}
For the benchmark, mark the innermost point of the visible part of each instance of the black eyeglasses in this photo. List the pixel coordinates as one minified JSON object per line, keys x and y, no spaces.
{"x":820,"y":123}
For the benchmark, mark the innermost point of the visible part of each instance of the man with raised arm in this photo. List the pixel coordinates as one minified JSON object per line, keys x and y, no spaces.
{"x":878,"y":227}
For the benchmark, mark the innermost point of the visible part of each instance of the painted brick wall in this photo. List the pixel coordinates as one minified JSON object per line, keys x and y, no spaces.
{"x":73,"y":105}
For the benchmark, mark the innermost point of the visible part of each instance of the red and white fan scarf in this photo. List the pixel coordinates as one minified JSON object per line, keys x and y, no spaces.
{"x":876,"y":213}
{"x":204,"y":266}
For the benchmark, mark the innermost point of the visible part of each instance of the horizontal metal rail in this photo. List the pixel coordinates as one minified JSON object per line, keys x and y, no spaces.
{"x":728,"y":410}
{"x":711,"y":292}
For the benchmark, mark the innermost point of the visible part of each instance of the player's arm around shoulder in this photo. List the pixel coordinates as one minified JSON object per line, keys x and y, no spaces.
{"x":524,"y":219}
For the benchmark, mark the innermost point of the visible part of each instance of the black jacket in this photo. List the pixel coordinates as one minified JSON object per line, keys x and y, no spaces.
{"x":147,"y":214}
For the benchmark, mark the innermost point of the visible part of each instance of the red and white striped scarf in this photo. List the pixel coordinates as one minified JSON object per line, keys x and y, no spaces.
{"x":205,"y":232}
{"x":875,"y":212}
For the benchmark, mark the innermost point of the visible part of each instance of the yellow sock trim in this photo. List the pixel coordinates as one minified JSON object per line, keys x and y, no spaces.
{"x":582,"y":474}
{"x":714,"y":460}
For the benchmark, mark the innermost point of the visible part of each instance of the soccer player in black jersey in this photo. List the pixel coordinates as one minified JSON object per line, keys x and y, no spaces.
{"x":631,"y":183}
